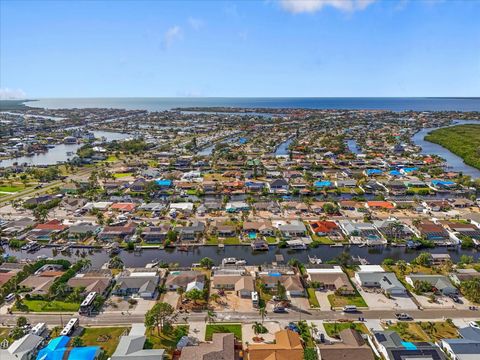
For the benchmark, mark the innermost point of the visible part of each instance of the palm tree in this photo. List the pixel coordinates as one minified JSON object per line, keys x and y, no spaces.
{"x":215,"y":297}
{"x":180,"y":291}
{"x":402,"y":266}
{"x":77,"y":342}
{"x":257,"y":328}
{"x":211,"y":316}
{"x":263,"y":313}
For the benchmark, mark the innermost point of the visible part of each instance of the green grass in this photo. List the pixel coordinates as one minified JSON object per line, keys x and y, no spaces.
{"x":211,"y":240}
{"x":462,"y":140}
{"x":211,"y":329}
{"x":11,"y":189}
{"x":439,"y":330}
{"x":121,"y":175}
{"x":4,"y":334}
{"x":322,"y":239}
{"x":333,"y":328}
{"x":111,"y":158}
{"x":105,"y":337}
{"x":167,"y":340}
{"x":51,"y":306}
{"x":312,"y":298}
{"x":409,"y":331}
{"x":271,"y":239}
{"x":342,"y":300}
{"x":231,"y":241}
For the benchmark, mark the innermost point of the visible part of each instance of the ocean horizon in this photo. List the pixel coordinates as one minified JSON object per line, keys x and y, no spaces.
{"x":334,"y":103}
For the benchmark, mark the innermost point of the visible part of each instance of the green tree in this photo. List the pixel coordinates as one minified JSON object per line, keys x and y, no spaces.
{"x":195,"y":295}
{"x":77,"y":341}
{"x":160,"y":315}
{"x":423,"y":259}
{"x":22,"y":321}
{"x":206,"y":262}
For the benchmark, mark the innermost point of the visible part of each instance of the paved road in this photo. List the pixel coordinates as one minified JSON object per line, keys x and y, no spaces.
{"x":114,"y":318}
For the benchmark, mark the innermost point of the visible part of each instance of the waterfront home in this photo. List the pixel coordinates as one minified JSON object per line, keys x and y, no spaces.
{"x":40,"y":283}
{"x":432,"y":232}
{"x":287,"y":345}
{"x":17,"y":227}
{"x":187,"y":280}
{"x":82,"y":231}
{"x":326,"y":228}
{"x":440,"y":284}
{"x":193,"y":232}
{"x":330,"y":277}
{"x":292,"y":282}
{"x":361,"y":232}
{"x":391,"y":346}
{"x":393,"y":230}
{"x":467,"y":347}
{"x":242,"y":284}
{"x":155,"y":234}
{"x":118,"y":232}
{"x":262,"y":227}
{"x":47,"y":231}
{"x":462,"y":229}
{"x":223,"y":229}
{"x":132,"y":346}
{"x":97,"y":281}
{"x":270,"y":206}
{"x":436,"y":205}
{"x":221,"y":347}
{"x":352,"y":346}
{"x":137,"y":282}
{"x":292,"y":229}
{"x":24,"y":348}
{"x":443,"y":185}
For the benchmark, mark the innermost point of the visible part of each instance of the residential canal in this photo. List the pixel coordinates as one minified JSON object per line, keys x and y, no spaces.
{"x":453,"y":161}
{"x":282,"y":149}
{"x":61,"y":152}
{"x":374,"y":255}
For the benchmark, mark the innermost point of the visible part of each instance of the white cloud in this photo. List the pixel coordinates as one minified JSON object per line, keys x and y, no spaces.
{"x":195,"y":23}
{"x":12,"y":94}
{"x":171,"y":35}
{"x":311,"y":6}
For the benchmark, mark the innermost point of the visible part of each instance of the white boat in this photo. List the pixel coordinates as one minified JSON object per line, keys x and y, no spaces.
{"x":314,"y":260}
{"x":42,"y":257}
{"x":296,"y":245}
{"x":233,"y":261}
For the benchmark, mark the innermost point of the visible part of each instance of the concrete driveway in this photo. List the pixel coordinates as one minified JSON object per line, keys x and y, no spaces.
{"x":322,"y":297}
{"x":377,"y":300}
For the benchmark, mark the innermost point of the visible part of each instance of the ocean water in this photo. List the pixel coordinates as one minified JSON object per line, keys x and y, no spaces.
{"x":158,"y":104}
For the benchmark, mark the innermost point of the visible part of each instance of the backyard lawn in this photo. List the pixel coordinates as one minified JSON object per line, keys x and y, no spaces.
{"x":121,"y":175}
{"x":231,"y":240}
{"x":236,"y":329}
{"x":107,"y":338}
{"x":333,"y":328}
{"x":167,"y":340}
{"x":409,"y":331}
{"x":211,"y":240}
{"x":342,"y":300}
{"x":439,"y":330}
{"x":4,"y":334}
{"x":312,"y":298}
{"x":51,"y":306}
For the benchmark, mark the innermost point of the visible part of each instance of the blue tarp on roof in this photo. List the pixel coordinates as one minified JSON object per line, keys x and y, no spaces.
{"x":395,"y":173}
{"x":409,"y":170}
{"x":55,"y":349}
{"x":84,"y":353}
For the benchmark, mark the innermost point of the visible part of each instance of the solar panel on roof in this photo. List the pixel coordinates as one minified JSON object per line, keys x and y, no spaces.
{"x":380,"y":337}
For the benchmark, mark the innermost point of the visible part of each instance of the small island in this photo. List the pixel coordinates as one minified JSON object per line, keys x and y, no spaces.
{"x":462,"y":140}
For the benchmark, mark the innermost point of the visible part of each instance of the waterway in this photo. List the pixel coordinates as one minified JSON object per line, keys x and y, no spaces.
{"x":375,"y":255}
{"x":454,"y":162}
{"x":282,"y":149}
{"x":61,"y":152}
{"x":353,"y":146}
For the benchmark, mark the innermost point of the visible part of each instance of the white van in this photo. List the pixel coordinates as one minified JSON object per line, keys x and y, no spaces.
{"x":350,"y":308}
{"x":9,"y":297}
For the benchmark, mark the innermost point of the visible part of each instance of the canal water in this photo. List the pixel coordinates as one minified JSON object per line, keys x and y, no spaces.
{"x":454,"y":162}
{"x":375,"y":255}
{"x":282,"y":149}
{"x":61,"y":152}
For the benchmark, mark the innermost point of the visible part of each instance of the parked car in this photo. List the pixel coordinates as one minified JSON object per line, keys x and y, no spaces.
{"x":474,"y":324}
{"x":350,"y":308}
{"x":403,"y":316}
{"x":279,"y":310}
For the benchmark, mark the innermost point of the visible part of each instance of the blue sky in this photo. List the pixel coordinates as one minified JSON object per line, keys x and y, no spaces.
{"x":243,"y":48}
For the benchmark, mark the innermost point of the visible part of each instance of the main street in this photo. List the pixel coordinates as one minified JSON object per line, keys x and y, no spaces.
{"x":127,"y":318}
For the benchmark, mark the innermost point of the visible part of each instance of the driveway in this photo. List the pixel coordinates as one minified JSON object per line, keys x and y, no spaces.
{"x":248,"y":333}
{"x":172,"y":298}
{"x":377,"y":300}
{"x":322,"y":297}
